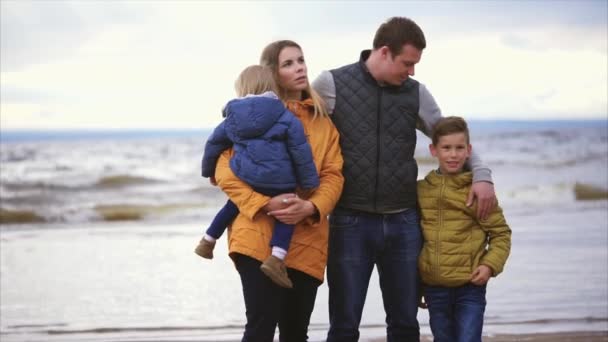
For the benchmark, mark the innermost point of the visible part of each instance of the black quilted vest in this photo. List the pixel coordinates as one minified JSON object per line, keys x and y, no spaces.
{"x":377,"y":126}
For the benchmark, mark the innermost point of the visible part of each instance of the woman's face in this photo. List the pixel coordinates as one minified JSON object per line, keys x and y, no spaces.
{"x":292,"y":71}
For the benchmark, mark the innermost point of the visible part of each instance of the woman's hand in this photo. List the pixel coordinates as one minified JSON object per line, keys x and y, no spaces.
{"x":278,"y":202}
{"x":297,"y":209}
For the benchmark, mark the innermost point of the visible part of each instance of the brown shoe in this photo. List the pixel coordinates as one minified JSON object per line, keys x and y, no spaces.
{"x":205,"y":249}
{"x":275,"y":269}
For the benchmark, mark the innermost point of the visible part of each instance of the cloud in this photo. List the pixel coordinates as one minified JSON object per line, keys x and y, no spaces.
{"x":483,"y":77}
{"x":165,"y":64}
{"x":34,"y":32}
{"x":12,"y":94}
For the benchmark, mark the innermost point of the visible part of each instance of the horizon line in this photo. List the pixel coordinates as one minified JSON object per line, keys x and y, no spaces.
{"x":183,"y":129}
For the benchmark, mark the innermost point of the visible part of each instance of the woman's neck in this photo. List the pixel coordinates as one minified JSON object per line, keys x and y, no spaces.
{"x":295,"y":95}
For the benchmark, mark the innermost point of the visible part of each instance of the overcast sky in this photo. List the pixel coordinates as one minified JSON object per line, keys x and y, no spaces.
{"x":172,"y":64}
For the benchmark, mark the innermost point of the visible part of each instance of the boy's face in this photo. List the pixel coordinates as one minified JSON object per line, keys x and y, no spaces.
{"x":452,"y":151}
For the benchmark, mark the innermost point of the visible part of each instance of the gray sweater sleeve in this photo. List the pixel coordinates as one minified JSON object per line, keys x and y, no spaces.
{"x":428,"y":115}
{"x":324,"y":85}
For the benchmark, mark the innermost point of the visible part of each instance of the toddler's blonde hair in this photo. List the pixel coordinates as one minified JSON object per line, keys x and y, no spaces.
{"x":255,"y":79}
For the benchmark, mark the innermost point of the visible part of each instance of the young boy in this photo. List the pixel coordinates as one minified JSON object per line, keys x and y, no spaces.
{"x":460,"y":252}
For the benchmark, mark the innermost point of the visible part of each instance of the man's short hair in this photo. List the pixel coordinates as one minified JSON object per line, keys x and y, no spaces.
{"x":397,"y":32}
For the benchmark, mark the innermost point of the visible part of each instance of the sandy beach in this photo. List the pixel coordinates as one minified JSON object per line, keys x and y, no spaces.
{"x":576,"y":336}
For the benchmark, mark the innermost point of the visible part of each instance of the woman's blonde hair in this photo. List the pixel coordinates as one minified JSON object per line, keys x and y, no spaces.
{"x":270,"y":58}
{"x":255,"y":79}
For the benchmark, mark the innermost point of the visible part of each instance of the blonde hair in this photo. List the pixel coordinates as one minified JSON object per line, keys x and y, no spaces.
{"x":255,"y":79}
{"x":270,"y":58}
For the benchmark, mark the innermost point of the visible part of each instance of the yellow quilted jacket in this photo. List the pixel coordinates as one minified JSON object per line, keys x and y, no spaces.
{"x":250,"y":234}
{"x":455,"y":241}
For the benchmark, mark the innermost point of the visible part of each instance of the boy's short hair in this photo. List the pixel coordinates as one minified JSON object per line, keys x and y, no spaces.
{"x":398,"y":31}
{"x":450,"y":125}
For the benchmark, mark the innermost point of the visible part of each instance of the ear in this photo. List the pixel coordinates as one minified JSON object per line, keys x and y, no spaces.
{"x":385,"y":51}
{"x":433,"y":150}
{"x":469,"y":150}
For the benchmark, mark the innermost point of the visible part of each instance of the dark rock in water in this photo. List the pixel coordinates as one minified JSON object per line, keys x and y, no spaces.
{"x":586,"y":192}
{"x":121,"y":213}
{"x":19,"y":216}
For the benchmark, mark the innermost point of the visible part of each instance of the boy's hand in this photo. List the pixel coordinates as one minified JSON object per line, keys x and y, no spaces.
{"x":481,"y":275}
{"x":212,"y":181}
{"x":486,"y":198}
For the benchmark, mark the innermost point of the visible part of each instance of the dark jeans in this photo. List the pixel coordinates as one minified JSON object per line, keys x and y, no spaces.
{"x":456,"y":314}
{"x":357,"y":242}
{"x":267,"y":304}
{"x":281,"y":235}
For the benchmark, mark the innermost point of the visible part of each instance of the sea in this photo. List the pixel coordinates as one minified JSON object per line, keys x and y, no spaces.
{"x":98,"y":228}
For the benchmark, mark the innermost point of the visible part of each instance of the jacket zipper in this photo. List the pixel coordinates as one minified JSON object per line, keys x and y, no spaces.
{"x":440,"y":225}
{"x":378,"y":147}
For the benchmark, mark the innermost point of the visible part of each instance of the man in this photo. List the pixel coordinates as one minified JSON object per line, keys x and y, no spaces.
{"x":377,"y":109}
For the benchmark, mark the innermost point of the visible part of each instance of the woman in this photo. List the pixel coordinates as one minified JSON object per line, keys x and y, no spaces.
{"x":249,"y":242}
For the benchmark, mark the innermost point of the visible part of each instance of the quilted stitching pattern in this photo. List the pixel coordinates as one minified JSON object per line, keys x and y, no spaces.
{"x":377,"y":128}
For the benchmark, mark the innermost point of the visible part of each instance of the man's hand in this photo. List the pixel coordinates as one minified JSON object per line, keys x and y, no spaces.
{"x":483,"y":192}
{"x":212,"y":181}
{"x":481,"y":275}
{"x":297,"y":209}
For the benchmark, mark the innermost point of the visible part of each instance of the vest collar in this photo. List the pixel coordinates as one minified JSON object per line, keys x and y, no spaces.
{"x":363,"y":56}
{"x":368,"y":75}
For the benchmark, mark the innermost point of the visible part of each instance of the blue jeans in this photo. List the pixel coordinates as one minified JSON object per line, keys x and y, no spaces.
{"x":456,"y":314}
{"x":357,"y":242}
{"x":267,"y":304}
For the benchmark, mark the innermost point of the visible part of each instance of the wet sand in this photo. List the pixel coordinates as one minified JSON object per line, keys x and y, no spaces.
{"x":576,"y":336}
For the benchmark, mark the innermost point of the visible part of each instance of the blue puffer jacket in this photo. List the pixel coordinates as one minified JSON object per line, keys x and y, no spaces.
{"x":270,"y":146}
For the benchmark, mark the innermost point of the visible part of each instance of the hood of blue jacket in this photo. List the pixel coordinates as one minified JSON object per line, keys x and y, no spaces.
{"x":253,"y":116}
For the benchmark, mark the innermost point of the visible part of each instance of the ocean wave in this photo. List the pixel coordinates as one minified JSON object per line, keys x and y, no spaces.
{"x":123,"y":181}
{"x":102,"y":212}
{"x":200,"y":201}
{"x":19,"y":186}
{"x":552,"y":194}
{"x":128,"y":212}
{"x":69,"y":183}
{"x":528,"y":158}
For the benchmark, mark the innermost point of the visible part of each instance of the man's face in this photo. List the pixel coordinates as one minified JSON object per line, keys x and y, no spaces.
{"x":398,"y":68}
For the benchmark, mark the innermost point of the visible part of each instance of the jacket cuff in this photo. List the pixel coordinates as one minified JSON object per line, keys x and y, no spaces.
{"x":496,"y":270}
{"x":316,"y":218}
{"x":253,"y":207}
